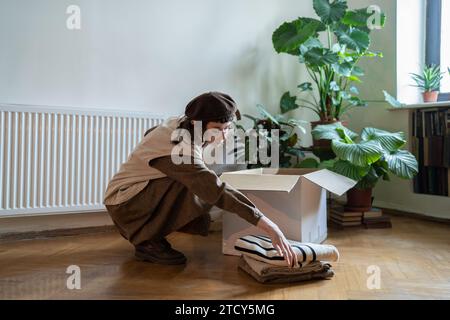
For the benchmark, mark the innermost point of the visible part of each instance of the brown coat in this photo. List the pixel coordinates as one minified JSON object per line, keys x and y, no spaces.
{"x":178,"y":202}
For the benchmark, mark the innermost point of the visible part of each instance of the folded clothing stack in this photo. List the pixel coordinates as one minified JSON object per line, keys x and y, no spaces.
{"x":262,"y":261}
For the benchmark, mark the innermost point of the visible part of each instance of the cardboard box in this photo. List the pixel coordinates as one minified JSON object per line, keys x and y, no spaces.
{"x":295,"y":199}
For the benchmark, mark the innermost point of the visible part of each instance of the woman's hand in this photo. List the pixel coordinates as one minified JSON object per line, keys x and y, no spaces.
{"x":279,"y":241}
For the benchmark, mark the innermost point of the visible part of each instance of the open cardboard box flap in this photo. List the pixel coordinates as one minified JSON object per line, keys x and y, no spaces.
{"x":286,"y":179}
{"x":261,"y":182}
{"x":331,"y":181}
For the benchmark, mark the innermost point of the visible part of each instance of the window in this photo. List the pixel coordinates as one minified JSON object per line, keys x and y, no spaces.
{"x":445,"y":45}
{"x":438,"y":40}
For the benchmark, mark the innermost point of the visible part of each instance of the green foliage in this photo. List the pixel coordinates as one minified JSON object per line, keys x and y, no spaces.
{"x":373,"y":155}
{"x":290,"y":35}
{"x":430,"y":79}
{"x":288,"y":103}
{"x":392,"y":101}
{"x":330,"y":12}
{"x":309,"y":163}
{"x":289,"y":140}
{"x":333,"y":66}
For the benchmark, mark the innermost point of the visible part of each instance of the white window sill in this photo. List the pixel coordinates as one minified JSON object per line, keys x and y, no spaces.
{"x":433,"y":105}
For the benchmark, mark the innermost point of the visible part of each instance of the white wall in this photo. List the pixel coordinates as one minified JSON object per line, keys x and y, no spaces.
{"x":156,"y":55}
{"x":143,"y":55}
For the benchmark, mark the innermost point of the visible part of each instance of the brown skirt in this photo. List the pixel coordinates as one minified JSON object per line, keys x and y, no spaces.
{"x":162,"y":207}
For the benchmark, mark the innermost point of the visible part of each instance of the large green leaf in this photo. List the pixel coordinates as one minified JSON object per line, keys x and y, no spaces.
{"x":292,"y":140}
{"x":328,"y":11}
{"x":388,"y":140}
{"x":344,"y":68}
{"x":357,"y":71}
{"x":327,"y":164}
{"x":255,"y":120}
{"x":295,"y":152}
{"x":290,"y":35}
{"x":355,"y":39}
{"x":334,"y":86}
{"x":354,"y":90}
{"x":329,"y":132}
{"x":312,"y":42}
{"x":392,"y":101}
{"x":288,"y":103}
{"x":305,"y":86}
{"x":319,"y":57}
{"x":359,"y":154}
{"x":308,"y":163}
{"x":359,"y":18}
{"x":266,"y":114}
{"x":349,"y":170}
{"x":357,"y":102}
{"x":402,"y":163}
{"x":300,"y":124}
{"x":370,"y":179}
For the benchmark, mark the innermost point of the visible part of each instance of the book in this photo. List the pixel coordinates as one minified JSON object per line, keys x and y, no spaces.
{"x":345,"y":214}
{"x":374,"y":213}
{"x":345,"y":224}
{"x":341,"y":218}
{"x":380,"y":218}
{"x":345,"y":219}
{"x":431,"y":146}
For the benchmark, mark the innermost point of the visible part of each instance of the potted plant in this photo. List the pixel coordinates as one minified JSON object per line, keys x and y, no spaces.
{"x":288,"y":137}
{"x":332,"y":66}
{"x":367,"y":158}
{"x":429,"y":82}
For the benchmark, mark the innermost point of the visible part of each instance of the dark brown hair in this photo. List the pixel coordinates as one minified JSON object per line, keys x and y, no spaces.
{"x":186,"y":124}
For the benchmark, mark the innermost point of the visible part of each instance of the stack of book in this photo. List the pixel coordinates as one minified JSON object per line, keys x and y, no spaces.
{"x":342,"y":218}
{"x":374,"y":219}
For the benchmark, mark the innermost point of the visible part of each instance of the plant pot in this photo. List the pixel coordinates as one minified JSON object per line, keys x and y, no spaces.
{"x":321,"y":143}
{"x":430,"y":96}
{"x":322,"y":148}
{"x":359,"y":200}
{"x":314,"y":124}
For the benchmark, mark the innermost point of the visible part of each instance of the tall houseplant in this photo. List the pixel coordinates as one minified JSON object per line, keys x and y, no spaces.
{"x":367,"y":158}
{"x":332,"y":66}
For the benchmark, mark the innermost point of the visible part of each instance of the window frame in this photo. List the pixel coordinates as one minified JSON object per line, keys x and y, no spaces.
{"x":433,"y":38}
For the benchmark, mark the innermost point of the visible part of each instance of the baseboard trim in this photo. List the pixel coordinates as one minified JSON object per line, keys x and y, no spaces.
{"x":400,"y":213}
{"x":44,"y":234}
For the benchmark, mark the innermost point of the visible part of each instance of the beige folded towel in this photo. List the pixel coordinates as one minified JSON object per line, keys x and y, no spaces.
{"x":264,"y":273}
{"x":260,"y":248}
{"x":263,"y":268}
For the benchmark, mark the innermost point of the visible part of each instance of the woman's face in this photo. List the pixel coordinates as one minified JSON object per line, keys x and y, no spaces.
{"x":218,"y":130}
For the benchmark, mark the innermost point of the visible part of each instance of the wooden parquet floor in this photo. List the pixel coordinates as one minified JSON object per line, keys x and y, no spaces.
{"x":413,"y":259}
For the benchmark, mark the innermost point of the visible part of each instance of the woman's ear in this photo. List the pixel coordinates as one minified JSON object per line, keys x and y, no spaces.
{"x":238,"y":115}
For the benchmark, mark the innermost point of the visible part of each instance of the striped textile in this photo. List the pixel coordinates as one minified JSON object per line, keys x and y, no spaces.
{"x":260,"y":248}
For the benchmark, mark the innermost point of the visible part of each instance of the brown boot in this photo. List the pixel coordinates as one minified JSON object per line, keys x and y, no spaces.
{"x":159,"y":251}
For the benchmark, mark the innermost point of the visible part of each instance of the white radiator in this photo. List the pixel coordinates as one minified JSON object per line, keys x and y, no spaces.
{"x":60,"y":160}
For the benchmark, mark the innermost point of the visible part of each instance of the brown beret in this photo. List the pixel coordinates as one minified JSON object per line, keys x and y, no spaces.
{"x":211,"y":106}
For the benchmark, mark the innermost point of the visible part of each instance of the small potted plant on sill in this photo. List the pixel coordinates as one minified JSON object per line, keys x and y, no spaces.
{"x":429,"y":82}
{"x":366,"y":159}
